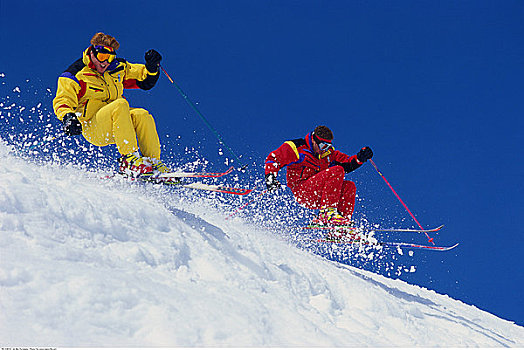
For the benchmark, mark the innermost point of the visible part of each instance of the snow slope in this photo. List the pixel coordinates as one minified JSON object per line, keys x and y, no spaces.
{"x":86,"y":262}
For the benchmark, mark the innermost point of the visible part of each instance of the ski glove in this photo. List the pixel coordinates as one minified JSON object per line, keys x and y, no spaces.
{"x":272,"y":182}
{"x":71,"y":125}
{"x":153,"y":59}
{"x":364,"y":154}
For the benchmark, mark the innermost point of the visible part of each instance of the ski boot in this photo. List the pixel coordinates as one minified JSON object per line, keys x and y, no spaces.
{"x":339,"y":226}
{"x":331,"y":217}
{"x":159,"y":167}
{"x":134,"y":165}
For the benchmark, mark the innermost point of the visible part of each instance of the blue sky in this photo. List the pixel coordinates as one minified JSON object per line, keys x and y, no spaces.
{"x":435,"y":88}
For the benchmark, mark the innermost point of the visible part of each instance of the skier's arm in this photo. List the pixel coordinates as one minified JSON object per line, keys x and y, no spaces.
{"x":350,"y":163}
{"x":276,"y":160}
{"x":138,"y":77}
{"x":282,"y":156}
{"x":143,"y":76}
{"x":67,"y":95}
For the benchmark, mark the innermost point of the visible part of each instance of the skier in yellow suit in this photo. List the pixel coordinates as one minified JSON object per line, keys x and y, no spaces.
{"x":89,"y":101}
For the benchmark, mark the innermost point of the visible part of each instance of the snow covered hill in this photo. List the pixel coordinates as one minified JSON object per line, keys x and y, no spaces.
{"x":86,"y":262}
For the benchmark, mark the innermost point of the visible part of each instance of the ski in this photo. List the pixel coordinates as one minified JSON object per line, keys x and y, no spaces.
{"x":196,"y":174}
{"x":175,"y":181}
{"x":368,"y":229}
{"x":170,"y":181}
{"x":387,"y":244}
{"x":420,"y":246}
{"x":216,"y":188}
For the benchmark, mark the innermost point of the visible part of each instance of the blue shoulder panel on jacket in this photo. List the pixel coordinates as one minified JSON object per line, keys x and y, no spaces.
{"x":70,"y":76}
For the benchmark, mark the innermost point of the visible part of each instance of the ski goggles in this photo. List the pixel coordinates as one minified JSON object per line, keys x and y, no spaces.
{"x":323,"y":144}
{"x":104,"y":53}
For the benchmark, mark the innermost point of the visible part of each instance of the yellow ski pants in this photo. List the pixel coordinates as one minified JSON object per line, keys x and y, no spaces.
{"x":129,"y":128}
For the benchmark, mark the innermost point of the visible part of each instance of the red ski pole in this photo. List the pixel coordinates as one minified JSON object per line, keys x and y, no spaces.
{"x":400,"y":200}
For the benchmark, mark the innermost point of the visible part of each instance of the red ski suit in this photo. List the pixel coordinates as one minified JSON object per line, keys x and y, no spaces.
{"x":317,"y":181}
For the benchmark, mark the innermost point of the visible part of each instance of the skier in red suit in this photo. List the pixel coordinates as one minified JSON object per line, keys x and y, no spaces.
{"x":315,"y":175}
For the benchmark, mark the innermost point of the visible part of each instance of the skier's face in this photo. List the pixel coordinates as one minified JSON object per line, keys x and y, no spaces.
{"x":316,"y":149}
{"x":100,"y":66}
{"x":322,"y":147}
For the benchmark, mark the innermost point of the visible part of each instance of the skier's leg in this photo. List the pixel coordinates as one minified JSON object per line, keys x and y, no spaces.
{"x":112,"y":125}
{"x":322,"y":190}
{"x":146,"y":132}
{"x":346,"y":205}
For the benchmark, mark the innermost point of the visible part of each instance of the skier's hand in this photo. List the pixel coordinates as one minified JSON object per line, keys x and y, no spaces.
{"x":272,"y":182}
{"x":71,"y":125}
{"x":364,"y":154}
{"x":153,"y":59}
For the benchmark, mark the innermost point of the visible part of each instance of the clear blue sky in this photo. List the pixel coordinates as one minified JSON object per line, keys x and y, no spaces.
{"x":434,"y":87}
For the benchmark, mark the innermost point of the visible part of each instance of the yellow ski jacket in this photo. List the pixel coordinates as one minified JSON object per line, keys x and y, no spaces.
{"x":81,"y":89}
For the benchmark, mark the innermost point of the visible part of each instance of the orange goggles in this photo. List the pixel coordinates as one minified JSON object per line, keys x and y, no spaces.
{"x":104,"y":53}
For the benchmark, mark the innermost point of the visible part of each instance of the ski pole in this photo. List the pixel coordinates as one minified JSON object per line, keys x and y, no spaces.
{"x":400,"y":200}
{"x":197,"y":111}
{"x":246,"y":204}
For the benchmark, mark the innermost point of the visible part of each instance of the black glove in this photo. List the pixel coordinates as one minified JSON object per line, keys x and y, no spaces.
{"x":364,"y":154}
{"x":71,"y":125}
{"x":153,"y":59}
{"x":272,"y":182}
